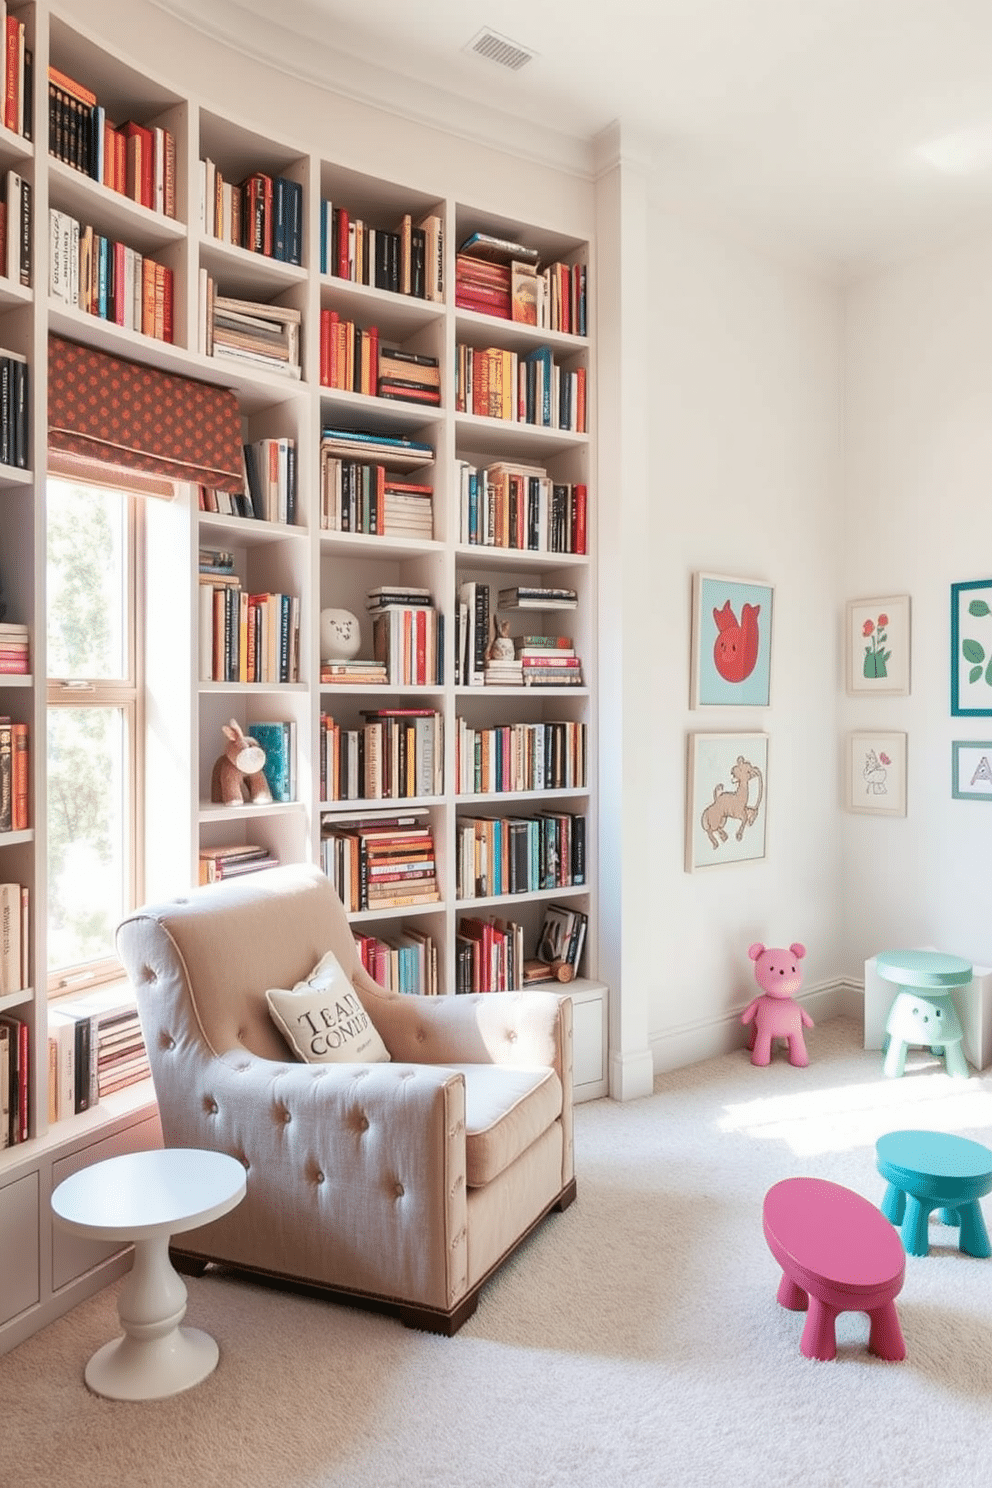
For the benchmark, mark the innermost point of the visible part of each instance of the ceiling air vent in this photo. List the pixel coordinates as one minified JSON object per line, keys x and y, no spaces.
{"x":496,"y":48}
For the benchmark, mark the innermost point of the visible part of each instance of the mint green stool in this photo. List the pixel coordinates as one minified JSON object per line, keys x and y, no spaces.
{"x":923,"y":1012}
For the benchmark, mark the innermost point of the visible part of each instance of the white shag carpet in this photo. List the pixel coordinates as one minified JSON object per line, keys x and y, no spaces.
{"x":635,"y":1340}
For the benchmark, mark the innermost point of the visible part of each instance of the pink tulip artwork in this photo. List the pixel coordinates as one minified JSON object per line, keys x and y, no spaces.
{"x":876,"y":656}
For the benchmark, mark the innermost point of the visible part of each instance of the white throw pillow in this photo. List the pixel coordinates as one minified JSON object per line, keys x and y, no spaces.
{"x":323,"y":1019}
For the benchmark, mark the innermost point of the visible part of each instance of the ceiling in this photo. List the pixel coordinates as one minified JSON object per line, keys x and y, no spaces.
{"x":846,"y":132}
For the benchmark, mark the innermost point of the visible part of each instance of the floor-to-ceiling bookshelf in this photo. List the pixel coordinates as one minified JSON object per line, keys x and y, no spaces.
{"x":317,"y":566}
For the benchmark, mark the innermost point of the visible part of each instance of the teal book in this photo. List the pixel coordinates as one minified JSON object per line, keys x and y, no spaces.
{"x":277,"y":740}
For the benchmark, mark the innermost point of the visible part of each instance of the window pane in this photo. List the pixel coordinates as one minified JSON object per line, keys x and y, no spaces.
{"x":86,"y":581}
{"x":88,"y":845}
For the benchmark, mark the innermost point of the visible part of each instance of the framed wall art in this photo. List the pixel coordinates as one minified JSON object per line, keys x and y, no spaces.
{"x":971,"y":770}
{"x":971,"y":649}
{"x":731,"y":642}
{"x":877,"y":643}
{"x":876,"y":773}
{"x":726,"y":799}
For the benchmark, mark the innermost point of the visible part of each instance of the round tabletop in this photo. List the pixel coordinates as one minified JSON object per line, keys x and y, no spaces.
{"x":938,"y":1153}
{"x":142,"y":1194}
{"x":923,"y":969}
{"x":832,"y":1232}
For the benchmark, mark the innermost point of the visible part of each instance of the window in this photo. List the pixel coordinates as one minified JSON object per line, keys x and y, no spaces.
{"x":94,"y":726}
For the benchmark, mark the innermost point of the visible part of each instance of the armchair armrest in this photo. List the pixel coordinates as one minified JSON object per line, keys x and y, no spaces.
{"x":310,"y":1134}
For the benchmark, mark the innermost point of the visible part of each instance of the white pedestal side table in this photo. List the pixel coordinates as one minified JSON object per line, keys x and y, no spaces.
{"x":146,"y":1197}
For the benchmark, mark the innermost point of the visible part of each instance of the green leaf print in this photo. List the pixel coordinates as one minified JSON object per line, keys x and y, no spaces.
{"x":973,"y":651}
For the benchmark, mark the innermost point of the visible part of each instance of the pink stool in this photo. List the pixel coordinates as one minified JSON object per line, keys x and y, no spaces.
{"x":838,"y":1253}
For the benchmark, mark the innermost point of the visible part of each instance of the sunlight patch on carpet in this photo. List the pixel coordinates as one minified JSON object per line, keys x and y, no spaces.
{"x":850,"y":1116}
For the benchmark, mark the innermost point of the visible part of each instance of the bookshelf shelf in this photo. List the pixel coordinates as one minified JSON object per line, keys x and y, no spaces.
{"x":327,"y":162}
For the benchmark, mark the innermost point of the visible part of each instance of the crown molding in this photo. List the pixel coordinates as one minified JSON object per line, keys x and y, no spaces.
{"x":320,"y":65}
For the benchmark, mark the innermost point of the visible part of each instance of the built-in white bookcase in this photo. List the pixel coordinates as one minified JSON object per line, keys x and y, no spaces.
{"x":321,"y":568}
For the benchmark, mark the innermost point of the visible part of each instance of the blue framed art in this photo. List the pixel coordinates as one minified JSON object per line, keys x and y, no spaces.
{"x":731,"y":642}
{"x":971,"y":649}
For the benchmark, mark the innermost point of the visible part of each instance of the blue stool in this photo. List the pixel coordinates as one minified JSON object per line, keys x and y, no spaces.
{"x":928,"y":1170}
{"x":923,"y":1012}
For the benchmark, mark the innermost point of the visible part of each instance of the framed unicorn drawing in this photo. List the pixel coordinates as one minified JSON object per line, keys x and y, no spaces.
{"x":731,"y":642}
{"x":876,"y":773}
{"x":726,"y":799}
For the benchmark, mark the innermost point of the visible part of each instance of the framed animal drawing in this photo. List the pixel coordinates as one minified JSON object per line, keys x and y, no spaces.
{"x":726,"y":799}
{"x":876,"y":773}
{"x":731,"y":642}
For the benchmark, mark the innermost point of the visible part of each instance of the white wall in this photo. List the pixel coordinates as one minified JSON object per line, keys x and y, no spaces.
{"x":742,"y":373}
{"x":918,"y":517}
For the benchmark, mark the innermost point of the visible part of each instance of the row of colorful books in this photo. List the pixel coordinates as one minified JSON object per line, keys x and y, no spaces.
{"x":353,"y":359}
{"x":262,"y":213}
{"x":109,"y":279}
{"x":137,"y":160}
{"x":552,"y":755}
{"x":407,"y":635}
{"x":510,"y":504}
{"x":489,"y":950}
{"x":522,"y":387}
{"x":270,"y":487}
{"x":405,"y":259}
{"x":247,"y":637}
{"x":15,"y":756}
{"x":405,"y":962}
{"x":395,"y":754}
{"x":498,"y":855}
{"x":363,"y":496}
{"x":381,"y":862}
{"x":496,"y":276}
{"x":15,"y":1061}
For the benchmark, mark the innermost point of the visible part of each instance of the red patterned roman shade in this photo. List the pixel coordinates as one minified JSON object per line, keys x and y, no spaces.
{"x":104,"y":411}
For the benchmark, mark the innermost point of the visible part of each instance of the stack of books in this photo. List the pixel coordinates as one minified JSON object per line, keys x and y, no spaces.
{"x":95,"y":1046}
{"x":408,"y":508}
{"x":381,"y":862}
{"x":233,"y":860}
{"x":537,"y":597}
{"x":409,"y":376}
{"x":15,"y":651}
{"x":359,"y":671}
{"x":548,"y":660}
{"x":407,"y":634}
{"x":265,"y":336}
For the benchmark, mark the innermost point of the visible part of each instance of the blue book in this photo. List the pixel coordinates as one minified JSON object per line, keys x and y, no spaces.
{"x":276,"y":739}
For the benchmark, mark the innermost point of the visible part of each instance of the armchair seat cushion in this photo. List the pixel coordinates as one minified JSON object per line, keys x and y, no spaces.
{"x":506,"y":1110}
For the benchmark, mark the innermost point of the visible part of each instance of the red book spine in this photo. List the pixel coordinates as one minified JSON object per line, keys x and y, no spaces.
{"x":579,"y":498}
{"x":12,"y":74}
{"x":341,"y":268}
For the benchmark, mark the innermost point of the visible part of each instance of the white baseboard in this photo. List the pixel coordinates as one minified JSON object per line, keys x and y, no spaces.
{"x":841,"y":997}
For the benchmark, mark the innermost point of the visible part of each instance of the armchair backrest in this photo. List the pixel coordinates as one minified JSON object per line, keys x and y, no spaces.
{"x":274,"y":928}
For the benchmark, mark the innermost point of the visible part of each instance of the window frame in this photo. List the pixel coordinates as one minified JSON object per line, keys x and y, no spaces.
{"x":128,"y":694}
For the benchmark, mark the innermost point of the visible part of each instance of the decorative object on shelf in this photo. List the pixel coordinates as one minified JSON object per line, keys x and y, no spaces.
{"x":239,"y":773}
{"x":725,"y":799}
{"x":340,"y":635}
{"x":971,"y":649}
{"x":971,"y":769}
{"x":731,"y":641}
{"x":876,"y":773}
{"x":775,"y":1014}
{"x":501,"y":646}
{"x":877,"y":645}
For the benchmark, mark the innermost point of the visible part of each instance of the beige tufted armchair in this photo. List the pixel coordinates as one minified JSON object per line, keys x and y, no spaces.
{"x":400,"y":1186}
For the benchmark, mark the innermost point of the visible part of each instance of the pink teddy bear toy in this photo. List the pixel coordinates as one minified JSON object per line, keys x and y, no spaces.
{"x":776,"y":1015}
